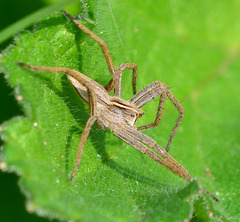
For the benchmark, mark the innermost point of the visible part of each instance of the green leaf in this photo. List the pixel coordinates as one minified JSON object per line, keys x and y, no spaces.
{"x":192,"y":47}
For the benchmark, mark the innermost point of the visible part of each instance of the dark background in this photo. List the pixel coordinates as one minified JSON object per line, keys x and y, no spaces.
{"x":12,"y":201}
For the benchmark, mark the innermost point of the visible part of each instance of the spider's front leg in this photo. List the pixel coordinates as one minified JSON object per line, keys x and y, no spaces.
{"x":110,"y":86}
{"x":149,"y":93}
{"x":82,"y":142}
{"x":119,"y":71}
{"x":116,"y":81}
{"x":81,"y":78}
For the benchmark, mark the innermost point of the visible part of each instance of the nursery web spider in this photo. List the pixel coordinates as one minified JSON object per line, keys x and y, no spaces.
{"x":118,"y":114}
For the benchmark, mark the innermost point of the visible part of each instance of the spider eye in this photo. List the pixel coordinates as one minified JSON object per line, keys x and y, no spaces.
{"x":132,"y":115}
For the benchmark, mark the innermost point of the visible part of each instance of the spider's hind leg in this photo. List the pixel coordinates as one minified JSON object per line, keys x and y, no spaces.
{"x":141,"y":142}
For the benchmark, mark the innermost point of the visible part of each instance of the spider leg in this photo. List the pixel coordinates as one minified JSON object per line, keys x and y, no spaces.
{"x":90,"y":84}
{"x":149,"y":93}
{"x":92,"y":103}
{"x":71,"y":72}
{"x":109,"y":87}
{"x":119,"y":71}
{"x":82,"y":142}
{"x":140,"y":142}
{"x":84,"y":136}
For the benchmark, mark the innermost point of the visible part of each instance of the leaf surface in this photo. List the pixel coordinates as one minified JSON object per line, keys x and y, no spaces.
{"x":188,"y":50}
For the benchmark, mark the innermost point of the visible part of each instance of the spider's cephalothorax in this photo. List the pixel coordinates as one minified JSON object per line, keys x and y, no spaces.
{"x":121,"y":111}
{"x":111,"y":108}
{"x":118,"y":114}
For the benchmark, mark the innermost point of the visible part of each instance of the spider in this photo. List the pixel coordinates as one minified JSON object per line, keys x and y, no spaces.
{"x":118,"y":114}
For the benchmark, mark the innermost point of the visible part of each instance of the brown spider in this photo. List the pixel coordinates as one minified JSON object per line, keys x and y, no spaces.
{"x":118,"y":114}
